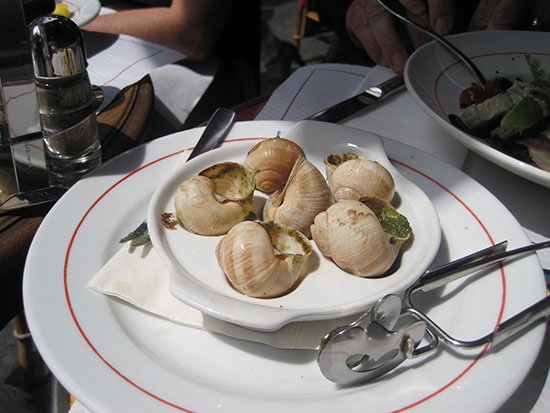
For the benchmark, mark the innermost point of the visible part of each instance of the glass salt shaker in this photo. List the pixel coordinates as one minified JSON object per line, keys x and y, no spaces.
{"x":65,"y":98}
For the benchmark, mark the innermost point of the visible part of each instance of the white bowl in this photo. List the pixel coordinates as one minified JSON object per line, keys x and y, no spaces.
{"x":435,"y":79}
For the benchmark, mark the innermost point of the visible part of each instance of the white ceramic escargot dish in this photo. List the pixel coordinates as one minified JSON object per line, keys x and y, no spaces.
{"x":325,"y":291}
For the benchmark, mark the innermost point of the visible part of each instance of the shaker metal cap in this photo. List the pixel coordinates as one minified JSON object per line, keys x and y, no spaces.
{"x":57,"y":47}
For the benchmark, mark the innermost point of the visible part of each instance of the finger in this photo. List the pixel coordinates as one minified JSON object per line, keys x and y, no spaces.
{"x":499,"y":14}
{"x":420,"y":12}
{"x":418,"y":38}
{"x":508,"y":14}
{"x":391,"y":45}
{"x":373,"y":27}
{"x":482,"y":14}
{"x":360,"y":31}
{"x":442,"y":15}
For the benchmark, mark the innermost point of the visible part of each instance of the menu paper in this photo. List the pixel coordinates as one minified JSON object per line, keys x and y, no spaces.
{"x":116,"y":61}
{"x":313,"y":88}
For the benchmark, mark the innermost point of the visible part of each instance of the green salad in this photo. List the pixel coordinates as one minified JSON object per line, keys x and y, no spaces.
{"x":515,"y":119}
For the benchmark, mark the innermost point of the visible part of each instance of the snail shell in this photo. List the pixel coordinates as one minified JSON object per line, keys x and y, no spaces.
{"x":305,"y":194}
{"x":263,"y":260}
{"x":271,"y":161}
{"x":353,"y":177}
{"x":216,"y":199}
{"x":333,"y":160}
{"x":351,"y":235}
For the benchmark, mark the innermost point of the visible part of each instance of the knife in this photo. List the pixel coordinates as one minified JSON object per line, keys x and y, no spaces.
{"x":356,"y":103}
{"x":215,"y":131}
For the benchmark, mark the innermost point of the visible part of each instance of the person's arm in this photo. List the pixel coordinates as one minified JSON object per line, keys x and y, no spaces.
{"x":188,"y":26}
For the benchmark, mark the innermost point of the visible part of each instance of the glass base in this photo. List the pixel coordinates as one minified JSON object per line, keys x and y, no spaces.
{"x":65,"y":172}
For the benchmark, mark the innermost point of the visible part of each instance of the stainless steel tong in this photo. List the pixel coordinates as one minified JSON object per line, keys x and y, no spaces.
{"x":393,"y":330}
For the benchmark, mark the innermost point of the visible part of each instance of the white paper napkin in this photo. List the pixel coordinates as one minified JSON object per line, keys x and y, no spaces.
{"x":139,"y":277}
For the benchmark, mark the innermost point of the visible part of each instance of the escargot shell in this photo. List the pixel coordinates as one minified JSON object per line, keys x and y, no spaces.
{"x":271,"y":161}
{"x":351,"y":235}
{"x":305,"y":194}
{"x":353,"y":177}
{"x":263,"y":260}
{"x":334,"y":160}
{"x":216,"y":199}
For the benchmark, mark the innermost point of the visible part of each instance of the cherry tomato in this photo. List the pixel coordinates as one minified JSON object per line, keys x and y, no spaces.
{"x":474,"y":95}
{"x":471,"y":96}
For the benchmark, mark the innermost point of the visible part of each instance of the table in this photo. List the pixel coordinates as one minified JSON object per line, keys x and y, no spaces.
{"x":495,"y":179}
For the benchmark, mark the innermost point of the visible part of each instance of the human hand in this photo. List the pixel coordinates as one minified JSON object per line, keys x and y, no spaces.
{"x":511,"y":14}
{"x":539,"y":19}
{"x":372,"y":27}
{"x":500,"y":14}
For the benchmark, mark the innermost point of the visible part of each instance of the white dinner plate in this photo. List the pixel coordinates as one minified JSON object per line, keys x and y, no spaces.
{"x":83,"y":11}
{"x":327,"y":292}
{"x":435,"y":79}
{"x":112,"y":357}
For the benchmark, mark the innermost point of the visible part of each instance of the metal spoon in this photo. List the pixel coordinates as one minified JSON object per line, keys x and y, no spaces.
{"x":400,"y":11}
